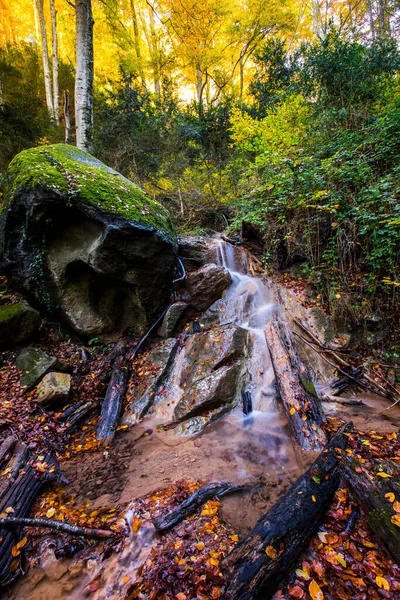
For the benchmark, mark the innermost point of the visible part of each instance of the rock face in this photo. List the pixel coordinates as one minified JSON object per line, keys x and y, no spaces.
{"x":83,"y":243}
{"x":206,"y":285}
{"x":195,"y":251}
{"x":54,"y":389}
{"x":171,"y":318}
{"x":18,"y":323}
{"x":155,"y":368}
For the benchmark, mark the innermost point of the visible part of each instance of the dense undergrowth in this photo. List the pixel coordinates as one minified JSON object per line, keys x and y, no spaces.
{"x":310,"y":159}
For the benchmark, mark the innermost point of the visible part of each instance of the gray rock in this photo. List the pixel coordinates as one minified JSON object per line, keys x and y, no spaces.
{"x":34,"y":364}
{"x":211,"y":392}
{"x":54,"y":389}
{"x":195,"y":251}
{"x":18,"y":323}
{"x":158,"y":363}
{"x":206,"y":285}
{"x":171,"y":318}
{"x":84,"y":244}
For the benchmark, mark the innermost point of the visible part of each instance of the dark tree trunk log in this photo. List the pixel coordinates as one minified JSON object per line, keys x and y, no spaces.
{"x":193,"y":503}
{"x":75,"y":413}
{"x":6,"y":446}
{"x":112,"y":404}
{"x":20,"y":497}
{"x":16,"y":462}
{"x":302,"y":406}
{"x":13,"y":522}
{"x":369,"y":491}
{"x":260,"y":561}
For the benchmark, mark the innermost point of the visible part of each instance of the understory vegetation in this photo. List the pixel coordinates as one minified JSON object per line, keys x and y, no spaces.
{"x":309,"y":158}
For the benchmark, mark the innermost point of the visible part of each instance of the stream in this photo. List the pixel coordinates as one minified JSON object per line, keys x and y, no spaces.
{"x":254,"y":449}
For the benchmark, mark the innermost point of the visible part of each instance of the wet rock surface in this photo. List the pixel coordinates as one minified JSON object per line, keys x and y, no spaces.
{"x":83,"y":243}
{"x":18,"y":323}
{"x":171,"y":319}
{"x":195,"y":251}
{"x":206,"y":285}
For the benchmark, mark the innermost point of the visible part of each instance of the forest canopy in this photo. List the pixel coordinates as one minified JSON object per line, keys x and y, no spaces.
{"x":282,"y":114}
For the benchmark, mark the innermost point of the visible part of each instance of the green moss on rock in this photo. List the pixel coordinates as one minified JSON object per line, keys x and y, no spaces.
{"x":18,"y":322}
{"x":78,"y":175}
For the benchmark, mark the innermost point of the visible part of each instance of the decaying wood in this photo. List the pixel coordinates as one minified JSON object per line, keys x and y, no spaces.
{"x":339,"y":400}
{"x":76,"y":412}
{"x":16,"y":462}
{"x":369,"y":490}
{"x":13,"y":522}
{"x":6,"y":446}
{"x":19,"y":497}
{"x":302,"y":406}
{"x":112,"y":404}
{"x":260,"y":561}
{"x":345,"y":365}
{"x":247,"y":403}
{"x":193,"y":503}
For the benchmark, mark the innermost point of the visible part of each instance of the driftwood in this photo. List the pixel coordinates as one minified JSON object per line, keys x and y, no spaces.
{"x":112,"y":404}
{"x":260,"y":561}
{"x":13,"y":522}
{"x":193,"y":503}
{"x":369,"y":490}
{"x":19,"y":497}
{"x":76,"y":412}
{"x":339,"y":400}
{"x":302,"y":406}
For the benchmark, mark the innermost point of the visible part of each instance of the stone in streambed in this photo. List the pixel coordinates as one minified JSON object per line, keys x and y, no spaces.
{"x":206,"y":285}
{"x":54,"y":389}
{"x":18,"y":323}
{"x":157,"y":363}
{"x":171,"y":318}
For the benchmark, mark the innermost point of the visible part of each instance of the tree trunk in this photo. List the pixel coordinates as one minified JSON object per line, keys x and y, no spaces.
{"x":54,"y":58}
{"x":369,"y":490}
{"x":112,"y":404}
{"x":154,"y":53}
{"x":67,"y":118}
{"x":84,"y":74}
{"x":371,"y":19}
{"x":258,"y":564}
{"x":137,"y":42}
{"x":45,"y":58}
{"x":302,"y":406}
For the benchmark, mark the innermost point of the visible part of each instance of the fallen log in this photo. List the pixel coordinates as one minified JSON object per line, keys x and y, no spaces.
{"x":302,"y":406}
{"x":370,"y":490}
{"x":75,"y":413}
{"x":19,"y":497}
{"x":15,"y":463}
{"x":112,"y":404}
{"x":12,"y":522}
{"x":193,"y":503}
{"x":6,"y":446}
{"x":260,"y":561}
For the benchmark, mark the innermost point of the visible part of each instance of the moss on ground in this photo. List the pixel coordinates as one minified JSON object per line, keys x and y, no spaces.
{"x":78,"y":175}
{"x":9,"y":312}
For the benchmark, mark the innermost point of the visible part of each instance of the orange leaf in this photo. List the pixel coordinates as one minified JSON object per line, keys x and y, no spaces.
{"x":383,"y":474}
{"x":382,"y":583}
{"x":390,"y":496}
{"x":396,"y":506}
{"x":315,"y":591}
{"x":270,"y":551}
{"x":181,"y":596}
{"x":396,"y":520}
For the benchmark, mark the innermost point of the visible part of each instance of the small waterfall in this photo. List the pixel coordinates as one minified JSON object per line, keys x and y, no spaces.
{"x":248,"y":304}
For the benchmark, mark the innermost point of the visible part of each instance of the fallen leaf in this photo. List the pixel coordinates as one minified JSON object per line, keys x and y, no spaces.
{"x":390,"y":496}
{"x":383,"y":474}
{"x":270,"y":551}
{"x":382,"y":583}
{"x":50,"y":513}
{"x":315,"y":591}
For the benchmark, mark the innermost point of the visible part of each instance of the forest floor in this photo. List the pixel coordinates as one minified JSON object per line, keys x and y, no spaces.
{"x":147,"y":470}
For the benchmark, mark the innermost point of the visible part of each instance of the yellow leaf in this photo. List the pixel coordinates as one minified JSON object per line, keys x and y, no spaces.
{"x":15,"y":551}
{"x":396,"y":520}
{"x":302,"y":574}
{"x":341,"y":560}
{"x":270,"y":551}
{"x":136,"y":524}
{"x":383,"y":474}
{"x":22,"y":543}
{"x":382,"y":583}
{"x":315,"y":591}
{"x":313,"y":498}
{"x":51,"y":512}
{"x":292,"y":411}
{"x":390,"y":496}
{"x":9,"y":510}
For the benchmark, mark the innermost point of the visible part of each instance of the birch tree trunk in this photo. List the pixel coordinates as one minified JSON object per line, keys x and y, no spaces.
{"x":54,"y":59}
{"x":67,"y":118}
{"x":84,"y":74}
{"x":137,"y":42}
{"x":45,"y":58}
{"x":371,"y":19}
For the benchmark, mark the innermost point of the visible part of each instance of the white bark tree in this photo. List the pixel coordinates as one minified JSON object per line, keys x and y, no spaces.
{"x":45,"y":58}
{"x":84,"y":74}
{"x":54,"y":58}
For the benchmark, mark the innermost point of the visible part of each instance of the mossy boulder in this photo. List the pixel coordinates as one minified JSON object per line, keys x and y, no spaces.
{"x":18,"y":323}
{"x":84,"y":243}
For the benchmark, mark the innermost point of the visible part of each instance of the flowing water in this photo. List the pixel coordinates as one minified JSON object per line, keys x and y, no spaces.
{"x":255,"y":448}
